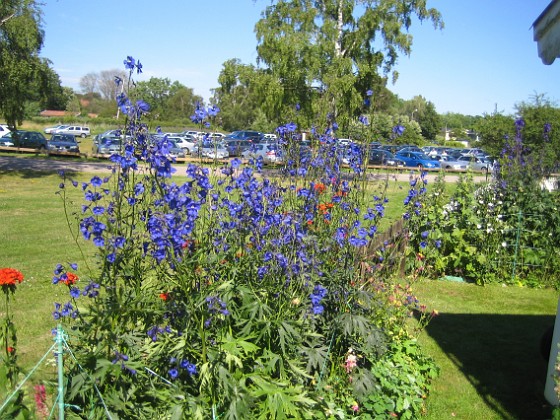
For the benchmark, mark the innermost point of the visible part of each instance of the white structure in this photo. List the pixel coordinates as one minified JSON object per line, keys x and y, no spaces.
{"x":546,"y":32}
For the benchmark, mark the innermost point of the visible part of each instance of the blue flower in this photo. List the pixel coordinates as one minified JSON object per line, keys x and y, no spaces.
{"x":142,"y":106}
{"x":129,"y":63}
{"x":173,"y":373}
{"x":398,"y":130}
{"x":319,"y":293}
{"x":96,"y":181}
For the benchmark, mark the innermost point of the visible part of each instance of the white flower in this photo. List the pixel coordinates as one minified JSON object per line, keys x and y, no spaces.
{"x":504,"y":244}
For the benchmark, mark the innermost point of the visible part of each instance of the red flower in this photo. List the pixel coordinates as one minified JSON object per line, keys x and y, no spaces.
{"x":164,"y":296}
{"x":71,"y":279}
{"x":10,"y":277}
{"x":11,"y":350}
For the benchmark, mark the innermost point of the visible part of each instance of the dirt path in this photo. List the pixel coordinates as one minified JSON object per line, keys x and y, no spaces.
{"x":9,"y":164}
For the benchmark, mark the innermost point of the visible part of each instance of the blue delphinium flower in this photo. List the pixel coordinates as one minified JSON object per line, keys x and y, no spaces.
{"x":173,"y":373}
{"x":398,"y":130}
{"x":319,"y":293}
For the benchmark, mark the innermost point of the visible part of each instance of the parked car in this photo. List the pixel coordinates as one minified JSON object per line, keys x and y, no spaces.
{"x":75,"y":130}
{"x":449,"y":162}
{"x":112,"y":134}
{"x":198,"y":135}
{"x":270,"y":153}
{"x":383,"y":157}
{"x":393,"y":148}
{"x":63,"y":143}
{"x":237,"y":147}
{"x":186,"y":142}
{"x":50,"y":130}
{"x":254,"y":136}
{"x":409,"y":148}
{"x":174,"y":149}
{"x":6,"y":142}
{"x":107,"y":146}
{"x":477,"y":163}
{"x":417,"y":160}
{"x":4,"y":130}
{"x":212,"y":150}
{"x":215,"y":136}
{"x":27,"y":139}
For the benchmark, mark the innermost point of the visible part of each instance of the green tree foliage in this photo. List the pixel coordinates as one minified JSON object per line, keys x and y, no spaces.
{"x":458,"y":123}
{"x":424,"y":113}
{"x":430,"y":122}
{"x":242,"y":90}
{"x":24,"y":76}
{"x":493,"y":132}
{"x":324,"y":55}
{"x":167,"y":100}
{"x":542,"y":127}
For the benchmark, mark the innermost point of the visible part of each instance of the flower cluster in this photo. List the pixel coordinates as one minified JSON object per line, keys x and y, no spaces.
{"x":63,"y":276}
{"x":316,"y":297}
{"x":10,"y":277}
{"x":183,"y":364}
{"x":228,"y":271}
{"x":123,"y":358}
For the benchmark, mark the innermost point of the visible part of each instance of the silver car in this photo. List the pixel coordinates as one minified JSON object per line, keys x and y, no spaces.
{"x":213,"y":150}
{"x":270,"y":153}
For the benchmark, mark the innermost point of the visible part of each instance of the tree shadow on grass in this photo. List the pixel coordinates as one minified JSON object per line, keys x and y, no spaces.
{"x":38,"y":167}
{"x":501,"y":356}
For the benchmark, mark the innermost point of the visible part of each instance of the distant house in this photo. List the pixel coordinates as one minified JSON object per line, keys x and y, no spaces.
{"x":57,"y":114}
{"x":546,"y":32}
{"x":49,"y":113}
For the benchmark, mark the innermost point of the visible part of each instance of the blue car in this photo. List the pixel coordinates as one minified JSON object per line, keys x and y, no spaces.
{"x":417,"y":160}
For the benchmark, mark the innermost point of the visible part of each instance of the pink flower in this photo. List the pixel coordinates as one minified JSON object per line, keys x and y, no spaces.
{"x":351,"y":362}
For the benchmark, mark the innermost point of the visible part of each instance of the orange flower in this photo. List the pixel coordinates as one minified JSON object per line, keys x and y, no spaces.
{"x":71,"y":279}
{"x":164,"y":296}
{"x":319,"y":187}
{"x":11,"y":350}
{"x":10,"y":277}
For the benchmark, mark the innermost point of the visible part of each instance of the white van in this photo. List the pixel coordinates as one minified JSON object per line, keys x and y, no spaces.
{"x":75,"y":130}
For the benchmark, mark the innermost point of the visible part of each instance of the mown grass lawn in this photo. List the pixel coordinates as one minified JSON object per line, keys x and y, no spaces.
{"x":486,"y":340}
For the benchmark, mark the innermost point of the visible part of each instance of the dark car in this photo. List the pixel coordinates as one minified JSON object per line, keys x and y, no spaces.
{"x":383,"y":157}
{"x":236,"y":147}
{"x":254,"y":136}
{"x":27,"y":139}
{"x":63,"y":143}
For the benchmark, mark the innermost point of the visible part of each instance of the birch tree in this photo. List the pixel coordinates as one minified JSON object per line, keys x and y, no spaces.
{"x":326,"y":54}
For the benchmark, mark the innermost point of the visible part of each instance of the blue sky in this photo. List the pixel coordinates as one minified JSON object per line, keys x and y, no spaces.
{"x":484,"y":59}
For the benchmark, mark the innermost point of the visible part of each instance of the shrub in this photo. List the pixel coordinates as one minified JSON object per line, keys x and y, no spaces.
{"x":234,"y":294}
